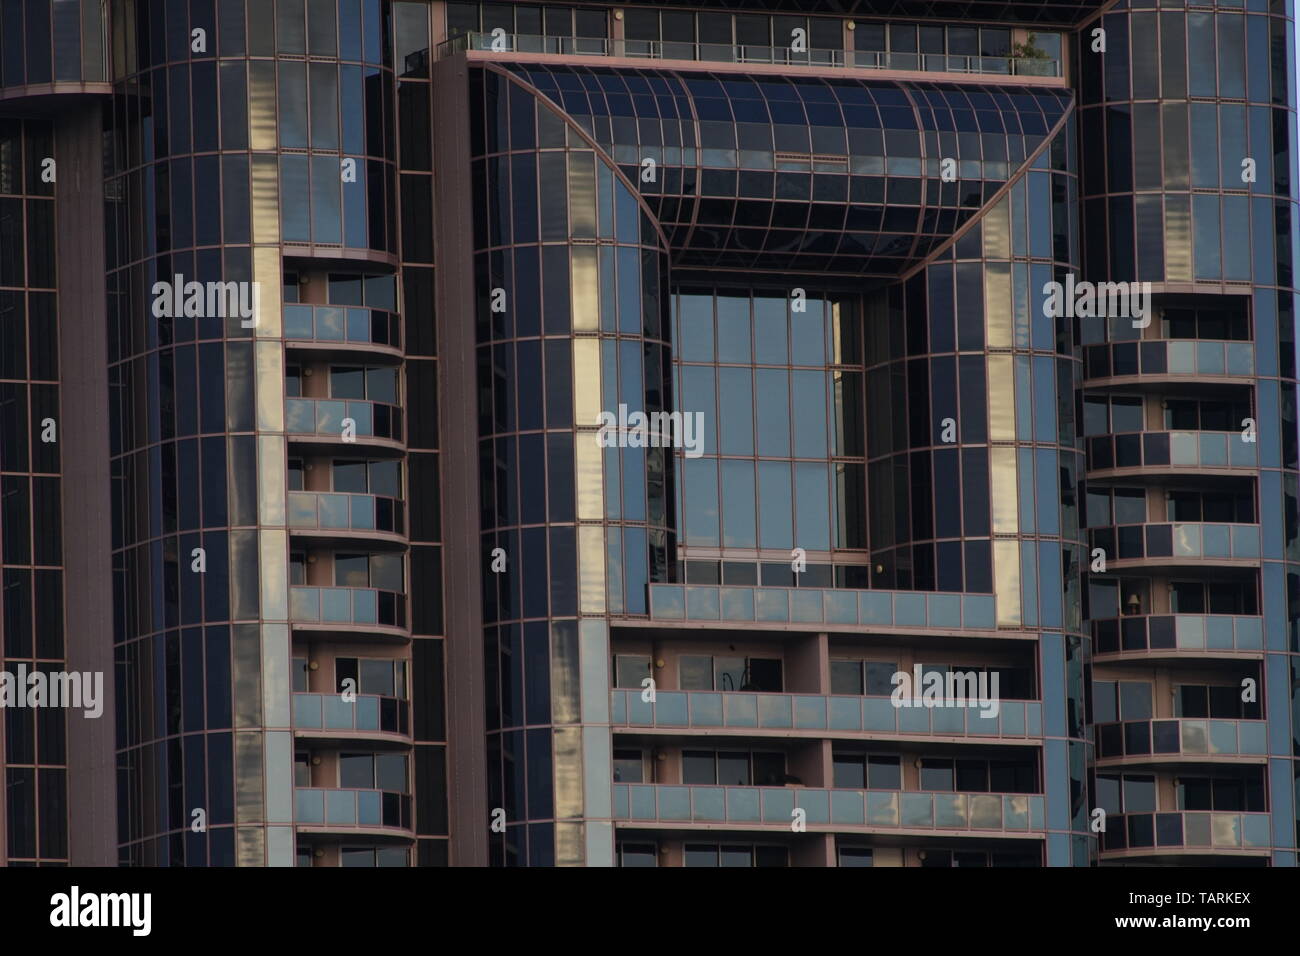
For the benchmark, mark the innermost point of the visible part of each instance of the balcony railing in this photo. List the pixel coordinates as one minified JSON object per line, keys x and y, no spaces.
{"x":1192,"y":540}
{"x":352,"y":808}
{"x":710,"y":710}
{"x":1169,"y":357}
{"x":1178,"y":632}
{"x":1172,"y":450}
{"x":368,"y":713}
{"x":886,"y":809}
{"x":341,"y":325}
{"x":339,"y":511}
{"x":1185,"y":736}
{"x":1185,"y":829}
{"x":677,"y":602}
{"x":324,"y":417}
{"x":748,"y":53}
{"x":340,"y":605}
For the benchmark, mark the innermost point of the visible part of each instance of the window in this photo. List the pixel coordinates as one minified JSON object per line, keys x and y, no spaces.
{"x":295,"y":476}
{"x":631,"y":669}
{"x":371,"y":384}
{"x":1115,"y":701}
{"x":872,"y":678}
{"x":855,"y":856}
{"x":979,"y":776}
{"x":297,"y":568}
{"x":628,"y":766}
{"x":368,"y":477}
{"x":1189,"y":414}
{"x":733,"y":768}
{"x":979,"y":858}
{"x":302,"y":769}
{"x":1211,"y":506}
{"x":299,"y":667}
{"x":712,"y":854}
{"x":1203,"y":597}
{"x":638,"y":854}
{"x":1217,"y":701}
{"x":373,"y":772}
{"x":371,"y":856}
{"x":1239,"y":794}
{"x":761,"y":674}
{"x":382,"y":571}
{"x":382,"y":678}
{"x":866,"y":771}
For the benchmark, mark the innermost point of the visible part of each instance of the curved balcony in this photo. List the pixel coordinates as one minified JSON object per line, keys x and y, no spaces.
{"x":345,"y":516}
{"x":343,"y":331}
{"x":1185,"y":833}
{"x":833,"y":609}
{"x":1177,"y":544}
{"x":374,"y":813}
{"x":1181,"y":740}
{"x":1155,"y":636}
{"x":851,"y":811}
{"x":1207,"y":364}
{"x":814,"y":715}
{"x":1130,"y":455}
{"x":369,"y":716}
{"x":320,"y":422}
{"x":348,"y":611}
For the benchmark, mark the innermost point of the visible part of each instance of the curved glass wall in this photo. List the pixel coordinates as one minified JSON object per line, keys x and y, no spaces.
{"x":288,"y":108}
{"x":1188,"y":183}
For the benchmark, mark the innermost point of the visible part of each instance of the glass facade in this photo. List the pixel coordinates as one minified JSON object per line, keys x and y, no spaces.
{"x":539,"y":434}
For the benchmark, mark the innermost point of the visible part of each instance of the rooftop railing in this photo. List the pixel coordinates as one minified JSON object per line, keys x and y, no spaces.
{"x":748,"y":53}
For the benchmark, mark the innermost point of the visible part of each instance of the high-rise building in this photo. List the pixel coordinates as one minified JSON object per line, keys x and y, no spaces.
{"x":640,"y":434}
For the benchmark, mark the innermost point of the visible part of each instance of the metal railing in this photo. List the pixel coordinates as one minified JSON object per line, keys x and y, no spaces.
{"x":1178,"y":632}
{"x":711,"y":710}
{"x":1185,"y":449}
{"x":1188,"y":829}
{"x":678,"y":602}
{"x":325,"y":417}
{"x":316,"y":806}
{"x":775,"y":806}
{"x":342,"y":511}
{"x":367,"y":713}
{"x":1169,"y":357}
{"x":1192,"y":540}
{"x":340,"y":324}
{"x":1182,"y":736}
{"x":747,"y":53}
{"x":342,"y":605}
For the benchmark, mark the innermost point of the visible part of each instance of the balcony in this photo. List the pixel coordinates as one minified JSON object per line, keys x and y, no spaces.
{"x":342,"y":515}
{"x":1160,"y":635}
{"x":320,"y":420}
{"x":324,"y":810}
{"x":1177,"y":544}
{"x":339,"y":329}
{"x":1181,"y":740}
{"x":813,"y":715}
{"x":1163,"y":454}
{"x":833,"y":609}
{"x":860,"y":811}
{"x":1194,"y":361}
{"x":348,"y":610}
{"x":781,"y":56}
{"x":1185,"y":832}
{"x":329,"y":715}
